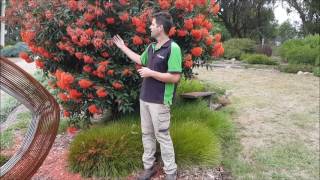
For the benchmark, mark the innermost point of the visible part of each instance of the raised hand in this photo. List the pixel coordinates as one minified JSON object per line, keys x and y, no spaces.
{"x":118,"y":41}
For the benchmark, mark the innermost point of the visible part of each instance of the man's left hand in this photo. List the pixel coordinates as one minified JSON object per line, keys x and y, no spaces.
{"x":145,"y":72}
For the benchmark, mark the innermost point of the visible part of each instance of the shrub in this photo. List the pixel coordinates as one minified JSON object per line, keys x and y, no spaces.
{"x":266,"y":50}
{"x":301,"y":51}
{"x":73,"y":41}
{"x":13,"y":51}
{"x":198,"y":111}
{"x":234,"y":48}
{"x":245,"y":56}
{"x":316,"y":71}
{"x":294,"y":68}
{"x":195,"y":144}
{"x":259,"y":59}
{"x":115,"y":150}
{"x":189,"y":85}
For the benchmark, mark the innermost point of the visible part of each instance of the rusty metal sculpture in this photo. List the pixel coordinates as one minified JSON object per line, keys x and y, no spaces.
{"x":43,"y":128}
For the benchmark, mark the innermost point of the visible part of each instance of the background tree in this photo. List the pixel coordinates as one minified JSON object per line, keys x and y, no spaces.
{"x":248,"y":18}
{"x":309,"y":12}
{"x":286,"y":31}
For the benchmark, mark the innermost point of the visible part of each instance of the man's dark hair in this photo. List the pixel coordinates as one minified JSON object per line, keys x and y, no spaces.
{"x":165,"y":19}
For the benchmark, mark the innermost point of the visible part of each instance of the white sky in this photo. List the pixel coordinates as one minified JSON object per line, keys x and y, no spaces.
{"x":281,"y":14}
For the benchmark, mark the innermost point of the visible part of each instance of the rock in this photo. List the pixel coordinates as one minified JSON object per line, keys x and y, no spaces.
{"x":300,"y":72}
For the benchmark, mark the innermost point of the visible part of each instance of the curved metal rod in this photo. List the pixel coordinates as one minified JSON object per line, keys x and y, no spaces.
{"x":43,"y":128}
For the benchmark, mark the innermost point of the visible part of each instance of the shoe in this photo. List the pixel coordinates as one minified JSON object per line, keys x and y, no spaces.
{"x":147,"y":174}
{"x":171,"y":176}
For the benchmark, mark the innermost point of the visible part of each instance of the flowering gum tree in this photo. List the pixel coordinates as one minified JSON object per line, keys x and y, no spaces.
{"x":71,"y":41}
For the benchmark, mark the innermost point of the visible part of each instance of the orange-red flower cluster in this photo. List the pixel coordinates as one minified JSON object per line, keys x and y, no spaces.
{"x":64,"y":79}
{"x":188,"y":61}
{"x":196,"y":51}
{"x":94,"y":109}
{"x":101,"y":92}
{"x":217,"y":50}
{"x":85,"y":83}
{"x":117,"y":85}
{"x":137,"y":40}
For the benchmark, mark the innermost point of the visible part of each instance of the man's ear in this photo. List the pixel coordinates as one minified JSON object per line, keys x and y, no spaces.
{"x":161,"y":26}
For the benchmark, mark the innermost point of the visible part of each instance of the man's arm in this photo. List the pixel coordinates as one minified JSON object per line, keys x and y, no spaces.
{"x":132,"y":55}
{"x":164,"y":77}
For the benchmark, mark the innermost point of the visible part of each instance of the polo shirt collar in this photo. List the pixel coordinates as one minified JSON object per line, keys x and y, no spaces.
{"x":165,"y":45}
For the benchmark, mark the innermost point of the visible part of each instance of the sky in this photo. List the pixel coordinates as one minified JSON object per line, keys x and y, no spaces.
{"x":281,"y":14}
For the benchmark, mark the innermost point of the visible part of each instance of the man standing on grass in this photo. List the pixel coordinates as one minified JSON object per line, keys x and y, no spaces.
{"x":162,"y":63}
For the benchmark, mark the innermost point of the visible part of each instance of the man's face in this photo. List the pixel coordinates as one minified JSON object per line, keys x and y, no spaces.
{"x":155,"y":29}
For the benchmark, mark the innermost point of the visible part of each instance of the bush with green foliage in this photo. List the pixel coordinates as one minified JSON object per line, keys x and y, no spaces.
{"x":71,"y":41}
{"x":301,"y":51}
{"x":115,"y":150}
{"x":195,"y":144}
{"x":294,"y":68}
{"x":316,"y":71}
{"x":189,"y":85}
{"x":13,"y":51}
{"x":258,"y":59}
{"x":234,"y":48}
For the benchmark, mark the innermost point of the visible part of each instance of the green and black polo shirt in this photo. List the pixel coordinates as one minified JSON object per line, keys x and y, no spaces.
{"x":167,"y":58}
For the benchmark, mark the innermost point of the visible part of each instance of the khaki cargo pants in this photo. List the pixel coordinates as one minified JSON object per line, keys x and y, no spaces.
{"x":155,"y":123}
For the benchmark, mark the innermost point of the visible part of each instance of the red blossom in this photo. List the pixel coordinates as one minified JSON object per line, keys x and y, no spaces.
{"x":110,"y":20}
{"x":137,"y":40}
{"x":101,"y":92}
{"x":188,"y":24}
{"x":197,"y":51}
{"x":182,"y":33}
{"x":39,"y":64}
{"x":124,"y":17}
{"x":85,"y":83}
{"x":94,"y":109}
{"x":117,"y":85}
{"x":88,"y":59}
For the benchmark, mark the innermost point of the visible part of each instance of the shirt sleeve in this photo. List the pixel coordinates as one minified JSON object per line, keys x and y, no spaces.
{"x":175,"y":59}
{"x":144,"y":57}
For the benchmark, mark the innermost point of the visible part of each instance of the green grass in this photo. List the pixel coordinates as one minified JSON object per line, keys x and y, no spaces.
{"x":3,"y":159}
{"x":23,"y":121}
{"x":7,"y":104}
{"x":63,"y":125}
{"x":288,"y":161}
{"x":195,"y":144}
{"x":294,"y":68}
{"x":258,"y":59}
{"x":186,"y":86}
{"x":6,"y":139}
{"x":115,"y":150}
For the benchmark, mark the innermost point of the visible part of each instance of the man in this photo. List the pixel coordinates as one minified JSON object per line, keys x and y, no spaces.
{"x":163,"y":66}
